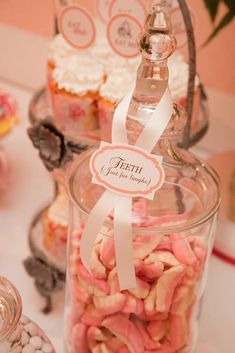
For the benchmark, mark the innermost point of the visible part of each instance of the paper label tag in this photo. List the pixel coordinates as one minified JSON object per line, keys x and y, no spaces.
{"x":103,"y":11}
{"x":127,"y":170}
{"x":77,"y":27}
{"x":122,"y":32}
{"x":134,"y":8}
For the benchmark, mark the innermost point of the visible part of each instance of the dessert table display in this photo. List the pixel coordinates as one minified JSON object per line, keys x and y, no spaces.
{"x":25,"y":197}
{"x":67,"y":120}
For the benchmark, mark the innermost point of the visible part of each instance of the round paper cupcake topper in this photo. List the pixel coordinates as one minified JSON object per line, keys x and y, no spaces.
{"x":122,"y":32}
{"x":134,"y":8}
{"x":102,"y":7}
{"x":77,"y":27}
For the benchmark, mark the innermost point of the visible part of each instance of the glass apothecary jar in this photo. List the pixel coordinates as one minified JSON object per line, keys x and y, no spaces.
{"x":172,"y":235}
{"x":17,"y":332}
{"x":172,"y":240}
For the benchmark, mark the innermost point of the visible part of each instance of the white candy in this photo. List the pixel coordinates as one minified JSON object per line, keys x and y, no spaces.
{"x":32,"y":329}
{"x":28,"y":349}
{"x":47,"y":348}
{"x":36,"y":342}
{"x":24,"y":338}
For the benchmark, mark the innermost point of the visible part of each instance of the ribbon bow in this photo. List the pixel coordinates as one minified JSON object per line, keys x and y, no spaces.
{"x":122,"y":205}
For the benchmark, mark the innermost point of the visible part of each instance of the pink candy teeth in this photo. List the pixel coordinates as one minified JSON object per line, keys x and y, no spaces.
{"x":91,"y":316}
{"x":96,"y":334}
{"x":162,"y":257}
{"x":142,"y":289}
{"x":97,"y":349}
{"x":165,"y":348}
{"x":133,"y":305}
{"x":80,"y":292}
{"x":182,"y":249}
{"x":116,"y":345}
{"x":149,"y":343}
{"x":157,"y":329}
{"x":165,"y":244}
{"x":178,"y":332}
{"x":79,"y":338}
{"x":100,"y":286}
{"x":126,"y":331}
{"x":144,"y":245}
{"x":155,"y":316}
{"x":123,"y":349}
{"x":151,"y":271}
{"x":113,"y":282}
{"x":166,"y":286}
{"x":107,"y":253}
{"x":149,"y":303}
{"x":183,"y":298}
{"x":110,"y":304}
{"x":97,"y":268}
{"x":105,"y":349}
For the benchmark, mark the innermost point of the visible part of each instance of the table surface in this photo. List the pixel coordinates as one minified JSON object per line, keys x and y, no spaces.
{"x":31,"y":188}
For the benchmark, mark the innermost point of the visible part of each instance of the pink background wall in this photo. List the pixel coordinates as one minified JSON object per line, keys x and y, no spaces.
{"x":215,"y":62}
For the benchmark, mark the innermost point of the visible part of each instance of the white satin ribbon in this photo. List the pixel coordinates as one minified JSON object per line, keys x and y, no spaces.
{"x":123,"y":243}
{"x":122,"y":205}
{"x":119,"y":132}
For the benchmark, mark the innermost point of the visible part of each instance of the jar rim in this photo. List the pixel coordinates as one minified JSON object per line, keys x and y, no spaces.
{"x":198,"y":221}
{"x":15,"y":312}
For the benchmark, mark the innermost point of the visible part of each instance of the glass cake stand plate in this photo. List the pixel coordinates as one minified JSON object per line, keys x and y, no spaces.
{"x":39,"y":111}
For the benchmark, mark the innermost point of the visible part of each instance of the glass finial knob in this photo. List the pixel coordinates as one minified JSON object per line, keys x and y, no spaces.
{"x":157,"y":42}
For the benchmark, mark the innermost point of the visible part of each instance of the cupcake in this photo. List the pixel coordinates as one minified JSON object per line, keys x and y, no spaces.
{"x":74,"y":80}
{"x":74,"y":91}
{"x":59,"y":51}
{"x":56,"y":226}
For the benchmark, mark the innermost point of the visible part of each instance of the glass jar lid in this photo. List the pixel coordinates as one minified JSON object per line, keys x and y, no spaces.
{"x":189,"y":196}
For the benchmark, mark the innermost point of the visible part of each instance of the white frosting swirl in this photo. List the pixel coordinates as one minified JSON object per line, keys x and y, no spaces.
{"x":79,"y":74}
{"x":60,"y":50}
{"x":117,"y":84}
